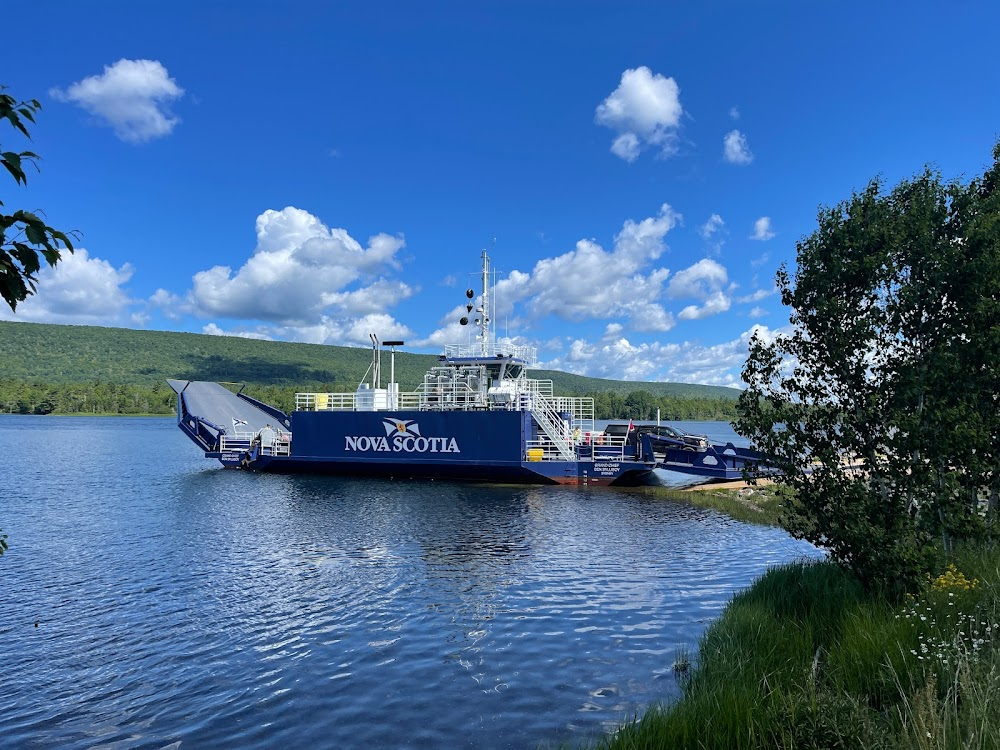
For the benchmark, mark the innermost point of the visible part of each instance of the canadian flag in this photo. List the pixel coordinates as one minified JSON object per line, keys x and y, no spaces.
{"x":630,"y":426}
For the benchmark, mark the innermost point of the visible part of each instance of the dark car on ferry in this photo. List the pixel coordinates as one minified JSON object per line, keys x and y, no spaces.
{"x":662,"y":434}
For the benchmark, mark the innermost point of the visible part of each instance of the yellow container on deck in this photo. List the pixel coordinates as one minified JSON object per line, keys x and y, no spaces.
{"x":535,"y":454}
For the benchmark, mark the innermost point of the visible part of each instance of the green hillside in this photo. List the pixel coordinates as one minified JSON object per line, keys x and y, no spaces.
{"x":90,"y":369}
{"x":59,"y":355}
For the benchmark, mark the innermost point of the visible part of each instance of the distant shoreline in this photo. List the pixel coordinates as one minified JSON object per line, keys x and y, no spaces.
{"x":84,"y":414}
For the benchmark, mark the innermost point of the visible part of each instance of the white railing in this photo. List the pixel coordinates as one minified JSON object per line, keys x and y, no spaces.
{"x":545,"y":450}
{"x":601,"y":447}
{"x":244,"y":441}
{"x":409,"y":401}
{"x":324,"y":402}
{"x":595,"y":446}
{"x":448,"y":394}
{"x":493,"y":349}
{"x":537,"y":387}
{"x":350,"y":401}
{"x":454,"y":395}
{"x":580,"y":408}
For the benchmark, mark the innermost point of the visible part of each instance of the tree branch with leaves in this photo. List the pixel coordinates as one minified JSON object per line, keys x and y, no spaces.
{"x":882,"y":406}
{"x":24,"y":236}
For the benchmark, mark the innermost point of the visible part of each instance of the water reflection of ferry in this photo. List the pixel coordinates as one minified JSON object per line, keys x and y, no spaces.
{"x":476,"y":416}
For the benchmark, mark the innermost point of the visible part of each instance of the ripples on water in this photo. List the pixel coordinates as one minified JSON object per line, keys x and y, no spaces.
{"x":154,"y":599}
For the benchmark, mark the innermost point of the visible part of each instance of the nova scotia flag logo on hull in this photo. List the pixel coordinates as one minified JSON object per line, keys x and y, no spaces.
{"x":401,"y":427}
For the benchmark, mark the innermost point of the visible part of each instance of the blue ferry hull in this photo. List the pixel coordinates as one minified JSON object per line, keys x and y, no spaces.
{"x":485,"y":446}
{"x":621,"y":473}
{"x":471,"y":445}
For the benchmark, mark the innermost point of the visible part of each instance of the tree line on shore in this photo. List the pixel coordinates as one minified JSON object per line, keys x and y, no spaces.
{"x":23,"y":397}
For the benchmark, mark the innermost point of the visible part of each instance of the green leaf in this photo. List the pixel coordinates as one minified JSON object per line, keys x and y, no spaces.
{"x":13,"y":158}
{"x":26,"y":216}
{"x":36,"y":234}
{"x":16,"y":122}
{"x":16,"y":172}
{"x":27,"y":257}
{"x":51,"y":256}
{"x":60,"y":237}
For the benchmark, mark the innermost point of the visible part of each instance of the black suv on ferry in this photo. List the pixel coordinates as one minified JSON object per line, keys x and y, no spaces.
{"x":661,"y":434}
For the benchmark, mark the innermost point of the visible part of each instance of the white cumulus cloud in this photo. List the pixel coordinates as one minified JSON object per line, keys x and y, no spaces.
{"x":78,"y":290}
{"x":736,"y":149}
{"x":345,"y":331}
{"x":706,"y":281}
{"x":213,"y":330}
{"x":590,"y":282}
{"x":762,"y":229}
{"x":618,"y":358}
{"x":698,"y":281}
{"x":303,"y":281}
{"x":710,"y":227}
{"x":369,"y":299}
{"x":714,"y":233}
{"x":626,"y":146}
{"x":586,"y":283}
{"x":757,"y":296}
{"x":645,"y":110}
{"x":132,"y":96}
{"x":298,"y":270}
{"x":717,"y":302}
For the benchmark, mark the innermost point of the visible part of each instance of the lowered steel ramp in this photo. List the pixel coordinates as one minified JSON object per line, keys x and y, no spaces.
{"x":206,"y":411}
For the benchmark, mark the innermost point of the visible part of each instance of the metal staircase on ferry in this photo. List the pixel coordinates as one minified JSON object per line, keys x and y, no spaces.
{"x":552,"y":426}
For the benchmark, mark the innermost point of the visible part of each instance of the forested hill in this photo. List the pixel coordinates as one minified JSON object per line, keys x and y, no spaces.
{"x":59,"y":354}
{"x":57,"y":364}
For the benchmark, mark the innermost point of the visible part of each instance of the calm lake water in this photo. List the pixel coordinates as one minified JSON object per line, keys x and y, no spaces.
{"x":152,"y":599}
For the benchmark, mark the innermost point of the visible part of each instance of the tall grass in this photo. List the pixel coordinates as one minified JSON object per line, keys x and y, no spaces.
{"x":764,"y":505}
{"x":805,"y":658}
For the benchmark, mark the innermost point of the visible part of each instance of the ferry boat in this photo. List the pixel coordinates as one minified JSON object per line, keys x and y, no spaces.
{"x":476,"y":416}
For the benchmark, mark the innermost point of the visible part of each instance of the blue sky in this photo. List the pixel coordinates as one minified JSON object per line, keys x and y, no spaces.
{"x":311,"y":171}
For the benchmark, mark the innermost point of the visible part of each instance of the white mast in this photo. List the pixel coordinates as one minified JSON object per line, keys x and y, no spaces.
{"x":484,"y":308}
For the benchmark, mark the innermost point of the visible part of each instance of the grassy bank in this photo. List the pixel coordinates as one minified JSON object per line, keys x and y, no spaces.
{"x":761,"y":505}
{"x":805,"y":658}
